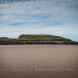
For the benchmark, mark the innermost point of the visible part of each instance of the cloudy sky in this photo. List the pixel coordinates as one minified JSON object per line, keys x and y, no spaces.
{"x":56,"y":17}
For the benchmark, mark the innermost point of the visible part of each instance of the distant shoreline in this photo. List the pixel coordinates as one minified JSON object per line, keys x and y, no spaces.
{"x":38,"y":44}
{"x":32,"y":39}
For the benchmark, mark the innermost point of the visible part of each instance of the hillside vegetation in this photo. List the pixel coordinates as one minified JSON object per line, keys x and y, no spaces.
{"x":37,"y":39}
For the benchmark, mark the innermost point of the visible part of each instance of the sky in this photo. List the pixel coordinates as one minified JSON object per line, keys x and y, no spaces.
{"x":54,"y":17}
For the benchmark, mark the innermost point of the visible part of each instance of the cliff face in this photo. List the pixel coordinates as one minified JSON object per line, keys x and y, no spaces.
{"x":37,"y":39}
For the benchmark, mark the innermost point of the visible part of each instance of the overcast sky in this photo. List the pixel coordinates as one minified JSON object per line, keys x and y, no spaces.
{"x":56,"y":17}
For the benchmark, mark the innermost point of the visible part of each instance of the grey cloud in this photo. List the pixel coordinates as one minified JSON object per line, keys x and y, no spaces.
{"x":54,"y":9}
{"x":50,"y":6}
{"x":45,"y":7}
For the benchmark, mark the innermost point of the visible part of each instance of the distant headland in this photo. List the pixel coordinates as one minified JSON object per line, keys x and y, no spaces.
{"x":36,"y":39}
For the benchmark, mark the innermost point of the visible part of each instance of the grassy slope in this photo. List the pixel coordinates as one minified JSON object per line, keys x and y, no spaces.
{"x":37,"y":39}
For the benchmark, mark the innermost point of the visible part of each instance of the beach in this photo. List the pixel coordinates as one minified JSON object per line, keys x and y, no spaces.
{"x":38,"y":61}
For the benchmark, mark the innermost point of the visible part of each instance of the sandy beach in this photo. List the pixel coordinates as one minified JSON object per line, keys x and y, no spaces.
{"x":38,"y":61}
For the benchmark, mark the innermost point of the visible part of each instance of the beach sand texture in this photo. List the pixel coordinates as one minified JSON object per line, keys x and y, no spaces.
{"x":38,"y":61}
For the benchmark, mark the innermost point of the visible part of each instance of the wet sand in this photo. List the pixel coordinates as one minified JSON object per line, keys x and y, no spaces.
{"x":38,"y":61}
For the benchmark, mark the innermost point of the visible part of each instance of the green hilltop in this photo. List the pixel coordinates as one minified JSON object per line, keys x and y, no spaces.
{"x":36,"y":39}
